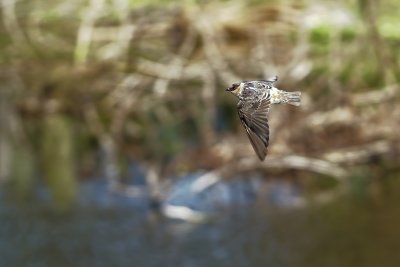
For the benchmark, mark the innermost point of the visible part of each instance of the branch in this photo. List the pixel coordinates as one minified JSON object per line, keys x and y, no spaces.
{"x":361,"y":154}
{"x":388,"y":93}
{"x":86,"y":30}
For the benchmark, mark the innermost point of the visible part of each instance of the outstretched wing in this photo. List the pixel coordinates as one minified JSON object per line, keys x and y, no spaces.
{"x":254,"y":117}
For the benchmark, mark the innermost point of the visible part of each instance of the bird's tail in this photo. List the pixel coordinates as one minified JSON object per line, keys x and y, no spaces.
{"x":292,"y":98}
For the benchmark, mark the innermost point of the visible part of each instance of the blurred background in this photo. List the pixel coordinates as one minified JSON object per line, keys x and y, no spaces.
{"x":119,"y":145}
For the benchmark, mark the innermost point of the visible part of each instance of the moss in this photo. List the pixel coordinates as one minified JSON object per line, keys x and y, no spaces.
{"x":346,"y":72}
{"x":58,"y":160}
{"x":320,"y":38}
{"x":348,"y":34}
{"x":22,"y":179}
{"x":389,"y":28}
{"x":372,"y":75}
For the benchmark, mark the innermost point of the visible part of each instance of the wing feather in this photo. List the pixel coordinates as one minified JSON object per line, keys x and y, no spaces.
{"x":254,"y":117}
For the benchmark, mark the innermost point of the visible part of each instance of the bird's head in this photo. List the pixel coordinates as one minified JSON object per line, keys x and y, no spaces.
{"x":234,"y":89}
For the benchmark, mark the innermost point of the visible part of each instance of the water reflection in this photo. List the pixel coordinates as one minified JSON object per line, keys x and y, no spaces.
{"x":345,"y":233}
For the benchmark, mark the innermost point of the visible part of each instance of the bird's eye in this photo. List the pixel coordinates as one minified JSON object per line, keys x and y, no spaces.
{"x":233,"y":87}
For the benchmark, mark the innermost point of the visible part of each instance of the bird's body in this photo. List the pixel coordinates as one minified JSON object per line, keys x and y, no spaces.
{"x":255,"y":98}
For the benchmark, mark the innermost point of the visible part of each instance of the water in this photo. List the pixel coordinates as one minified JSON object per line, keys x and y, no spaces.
{"x":347,"y":233}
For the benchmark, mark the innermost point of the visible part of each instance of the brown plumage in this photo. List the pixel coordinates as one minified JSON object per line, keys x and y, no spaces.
{"x":255,"y":99}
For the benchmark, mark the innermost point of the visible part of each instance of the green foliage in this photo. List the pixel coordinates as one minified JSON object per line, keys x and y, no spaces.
{"x":5,"y":43}
{"x":23,"y":163}
{"x":372,"y":76}
{"x":58,"y":160}
{"x":359,"y":183}
{"x":389,"y":27}
{"x":141,"y":3}
{"x":348,"y":34}
{"x":320,"y":38}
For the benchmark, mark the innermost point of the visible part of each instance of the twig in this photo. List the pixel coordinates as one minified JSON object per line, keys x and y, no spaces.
{"x":10,"y":21}
{"x":361,"y":154}
{"x":125,"y":97}
{"x":286,"y":162}
{"x":169,"y":72}
{"x":107,"y":144}
{"x":294,"y":162}
{"x":343,"y":115}
{"x":388,"y":93}
{"x":211,"y":49}
{"x":86,"y":30}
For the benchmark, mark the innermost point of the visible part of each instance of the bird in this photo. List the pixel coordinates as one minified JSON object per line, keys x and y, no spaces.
{"x":255,"y":98}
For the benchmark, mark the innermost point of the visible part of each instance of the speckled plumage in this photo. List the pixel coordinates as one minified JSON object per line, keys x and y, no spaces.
{"x":255,"y":99}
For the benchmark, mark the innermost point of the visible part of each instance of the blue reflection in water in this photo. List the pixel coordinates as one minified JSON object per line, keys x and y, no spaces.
{"x":106,"y":229}
{"x":206,"y":193}
{"x":114,"y":236}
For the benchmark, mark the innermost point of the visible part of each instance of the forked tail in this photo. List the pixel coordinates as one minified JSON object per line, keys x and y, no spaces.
{"x":292,"y":98}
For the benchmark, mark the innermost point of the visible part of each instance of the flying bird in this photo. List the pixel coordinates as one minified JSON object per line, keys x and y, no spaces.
{"x":255,"y":99}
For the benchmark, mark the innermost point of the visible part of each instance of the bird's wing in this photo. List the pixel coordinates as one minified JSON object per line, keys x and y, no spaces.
{"x":271,"y":79}
{"x":254,"y":117}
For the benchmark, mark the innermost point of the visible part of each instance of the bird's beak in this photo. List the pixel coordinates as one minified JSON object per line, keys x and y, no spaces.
{"x":227,"y":89}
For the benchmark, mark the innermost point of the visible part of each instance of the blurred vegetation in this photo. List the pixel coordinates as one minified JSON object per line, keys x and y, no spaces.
{"x":145,"y":80}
